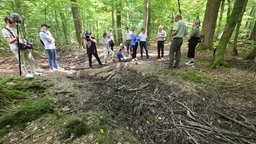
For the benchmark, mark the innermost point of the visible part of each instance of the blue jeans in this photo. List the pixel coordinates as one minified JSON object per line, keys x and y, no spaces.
{"x":143,"y":44}
{"x":52,"y":58}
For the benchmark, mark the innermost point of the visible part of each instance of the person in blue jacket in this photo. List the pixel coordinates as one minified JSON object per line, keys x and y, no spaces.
{"x":134,"y":44}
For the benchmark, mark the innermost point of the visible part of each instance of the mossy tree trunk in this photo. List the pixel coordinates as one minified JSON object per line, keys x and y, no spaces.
{"x":209,"y":23}
{"x":235,"y":51}
{"x":220,"y":18}
{"x":253,"y":34}
{"x":252,"y":54}
{"x":232,"y":21}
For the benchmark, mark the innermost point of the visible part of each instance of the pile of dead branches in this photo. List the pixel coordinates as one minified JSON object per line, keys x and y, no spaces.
{"x":157,"y":112}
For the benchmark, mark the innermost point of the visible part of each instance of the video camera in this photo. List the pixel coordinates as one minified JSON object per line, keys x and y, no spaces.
{"x":28,"y":45}
{"x":87,"y":35}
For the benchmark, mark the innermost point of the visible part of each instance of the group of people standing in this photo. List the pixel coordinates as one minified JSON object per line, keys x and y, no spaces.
{"x":132,"y":41}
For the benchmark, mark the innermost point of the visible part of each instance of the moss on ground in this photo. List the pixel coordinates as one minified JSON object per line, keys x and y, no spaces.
{"x":188,"y":75}
{"x":16,"y":107}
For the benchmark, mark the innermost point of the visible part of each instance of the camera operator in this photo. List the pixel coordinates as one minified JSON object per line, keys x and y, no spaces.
{"x":10,"y":34}
{"x":49,"y":45}
{"x":90,"y":43}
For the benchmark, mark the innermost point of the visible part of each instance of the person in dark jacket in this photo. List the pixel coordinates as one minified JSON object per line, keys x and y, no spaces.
{"x":192,"y":42}
{"x":90,"y":43}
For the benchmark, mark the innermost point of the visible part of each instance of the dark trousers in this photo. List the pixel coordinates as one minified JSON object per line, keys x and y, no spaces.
{"x":134,"y":50}
{"x":128,"y":46}
{"x":143,"y":44}
{"x":95,"y":54}
{"x":175,"y":48}
{"x":192,"y":43}
{"x":111,"y":44}
{"x":160,"y":48}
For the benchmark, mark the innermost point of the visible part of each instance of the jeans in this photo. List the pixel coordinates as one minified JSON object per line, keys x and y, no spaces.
{"x":31,"y":60}
{"x":52,"y":58}
{"x":143,"y":44}
{"x":134,"y":50}
{"x":160,"y":48}
{"x":175,"y":48}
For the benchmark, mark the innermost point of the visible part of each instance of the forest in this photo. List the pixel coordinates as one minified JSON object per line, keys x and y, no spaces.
{"x":144,"y":102}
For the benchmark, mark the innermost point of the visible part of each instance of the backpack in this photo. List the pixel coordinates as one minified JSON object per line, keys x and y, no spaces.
{"x":201,"y":38}
{"x":41,"y":40}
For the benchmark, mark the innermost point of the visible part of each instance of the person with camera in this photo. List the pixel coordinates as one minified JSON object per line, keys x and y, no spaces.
{"x":105,"y":43}
{"x":49,"y":44}
{"x":90,"y":43}
{"x":12,"y":37}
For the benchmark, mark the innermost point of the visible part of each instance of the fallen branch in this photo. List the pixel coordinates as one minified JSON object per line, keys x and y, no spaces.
{"x":140,"y":88}
{"x":110,"y":76}
{"x":236,"y":121}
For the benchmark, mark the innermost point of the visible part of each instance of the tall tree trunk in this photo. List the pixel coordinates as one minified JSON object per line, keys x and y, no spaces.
{"x":77,"y":23}
{"x":179,"y":7}
{"x":229,"y":8}
{"x":64,"y":27}
{"x":235,"y":52}
{"x":119,"y":22}
{"x":250,"y":14}
{"x":253,"y":34}
{"x":113,"y":19}
{"x":147,"y":16}
{"x":209,"y":23}
{"x":234,"y":18}
{"x":220,"y":18}
{"x":23,"y":25}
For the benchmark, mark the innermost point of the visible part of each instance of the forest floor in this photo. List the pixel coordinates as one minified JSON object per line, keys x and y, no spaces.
{"x":122,"y":103}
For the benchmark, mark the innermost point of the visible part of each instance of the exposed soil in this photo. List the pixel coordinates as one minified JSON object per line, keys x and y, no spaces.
{"x":155,"y":104}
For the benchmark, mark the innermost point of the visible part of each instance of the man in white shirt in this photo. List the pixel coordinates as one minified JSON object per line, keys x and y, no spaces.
{"x":143,"y":42}
{"x":10,"y":34}
{"x":128,"y":39}
{"x":49,"y":45}
{"x":161,"y":36}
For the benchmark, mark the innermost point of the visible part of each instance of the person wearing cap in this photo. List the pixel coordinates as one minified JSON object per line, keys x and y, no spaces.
{"x":10,"y":34}
{"x":49,"y":45}
{"x":111,"y":39}
{"x":179,"y":31}
{"x":192,"y":42}
{"x":161,"y":36}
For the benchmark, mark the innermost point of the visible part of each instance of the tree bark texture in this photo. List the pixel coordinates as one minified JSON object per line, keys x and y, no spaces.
{"x":118,"y":21}
{"x":77,"y":22}
{"x":209,"y":23}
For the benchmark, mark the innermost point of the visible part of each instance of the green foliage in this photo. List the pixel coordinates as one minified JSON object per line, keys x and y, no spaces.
{"x":188,"y":75}
{"x":75,"y":128}
{"x":25,"y":112}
